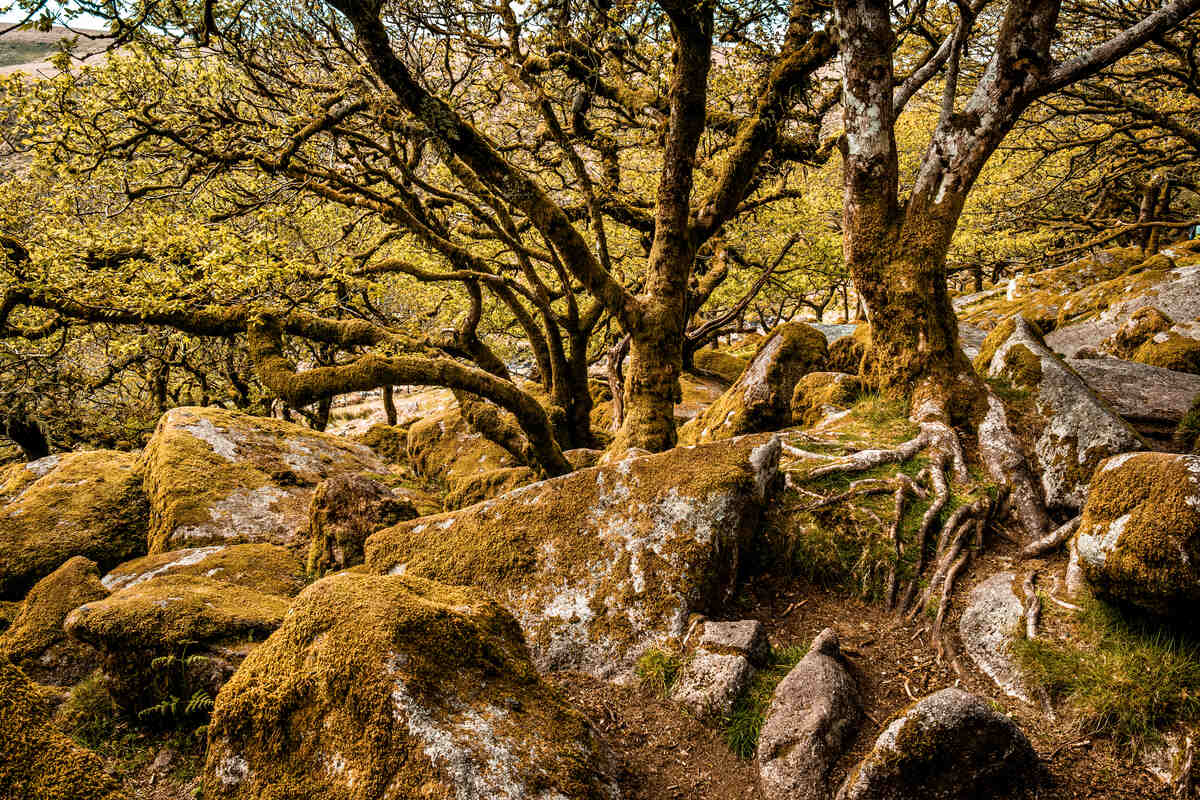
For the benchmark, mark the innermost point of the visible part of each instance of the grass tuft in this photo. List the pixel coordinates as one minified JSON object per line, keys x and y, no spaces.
{"x":1123,"y":675}
{"x":658,"y":668}
{"x":745,"y":721}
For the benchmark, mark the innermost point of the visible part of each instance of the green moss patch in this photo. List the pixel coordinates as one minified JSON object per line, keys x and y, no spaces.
{"x":263,"y":567}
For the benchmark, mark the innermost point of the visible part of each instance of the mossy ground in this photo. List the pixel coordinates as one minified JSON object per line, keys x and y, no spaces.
{"x":1119,"y":673}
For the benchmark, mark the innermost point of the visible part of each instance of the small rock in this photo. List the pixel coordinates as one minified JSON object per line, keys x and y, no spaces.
{"x":811,"y":720}
{"x":745,"y":637}
{"x":987,"y":626}
{"x":709,"y":683}
{"x":948,"y":746}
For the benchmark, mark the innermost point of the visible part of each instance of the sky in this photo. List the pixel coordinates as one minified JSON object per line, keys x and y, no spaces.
{"x":86,"y":21}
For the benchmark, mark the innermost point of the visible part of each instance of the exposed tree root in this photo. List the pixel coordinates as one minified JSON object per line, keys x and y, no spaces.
{"x":1033,"y":606}
{"x":1051,"y":541}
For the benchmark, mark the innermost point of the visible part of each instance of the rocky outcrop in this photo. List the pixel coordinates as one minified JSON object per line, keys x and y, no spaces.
{"x":812,"y":719}
{"x":1172,"y":351}
{"x":1151,"y":399}
{"x":38,"y":761}
{"x":200,"y":627}
{"x":1141,"y":326}
{"x":719,"y":668}
{"x":604,"y":563}
{"x":345,"y":510}
{"x":949,"y":746}
{"x":75,"y":504}
{"x":36,"y":642}
{"x":1072,"y":428}
{"x":760,"y":400}
{"x":393,"y":686}
{"x":1139,"y":539}
{"x":220,"y":477}
{"x":446,"y":450}
{"x":727,"y":365}
{"x":988,"y":624}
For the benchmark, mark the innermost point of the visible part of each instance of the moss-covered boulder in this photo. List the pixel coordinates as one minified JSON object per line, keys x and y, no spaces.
{"x":603,"y":563}
{"x":1135,"y":331}
{"x":396,"y":687}
{"x":1139,"y":540}
{"x":390,"y":442}
{"x":1072,"y":428}
{"x":446,"y":450}
{"x":174,"y":635}
{"x":37,"y":762}
{"x":819,"y":394}
{"x":75,"y":504}
{"x":36,"y":641}
{"x":220,"y":477}
{"x":719,"y":362}
{"x":263,"y":567}
{"x":345,"y":510}
{"x":846,"y":353}
{"x":760,"y":400}
{"x":950,"y":745}
{"x":1170,"y":350}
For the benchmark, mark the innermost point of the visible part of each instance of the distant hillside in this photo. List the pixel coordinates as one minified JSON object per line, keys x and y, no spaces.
{"x":34,"y":47}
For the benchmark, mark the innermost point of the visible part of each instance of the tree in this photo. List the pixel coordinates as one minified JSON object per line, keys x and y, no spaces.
{"x":896,"y":251}
{"x":587,"y":199}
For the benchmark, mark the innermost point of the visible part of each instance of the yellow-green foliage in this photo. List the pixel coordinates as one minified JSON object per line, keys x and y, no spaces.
{"x":265,"y":568}
{"x":1153,"y":561}
{"x":36,"y":640}
{"x":1170,"y":351}
{"x":89,"y":504}
{"x":1121,"y":675}
{"x":185,"y":475}
{"x":589,"y":529}
{"x":366,"y":665}
{"x":761,"y":398}
{"x":37,"y":761}
{"x":727,"y":365}
{"x":818,"y":390}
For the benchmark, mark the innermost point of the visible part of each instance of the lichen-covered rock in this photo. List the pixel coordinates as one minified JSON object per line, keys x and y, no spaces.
{"x":87,"y":504}
{"x":987,"y":628}
{"x":1170,"y":350}
{"x":37,"y":762}
{"x":345,"y":510}
{"x":263,"y":567}
{"x":812,"y":719}
{"x":948,"y":746}
{"x":1151,"y":399}
{"x":489,"y":484}
{"x":1135,"y":331}
{"x":202,"y":627}
{"x":1139,"y":539}
{"x":603,"y":563}
{"x":760,"y":400}
{"x":396,"y":687}
{"x":35,"y":640}
{"x":220,"y":477}
{"x":1074,"y":430}
{"x":819,"y":394}
{"x":721,"y":665}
